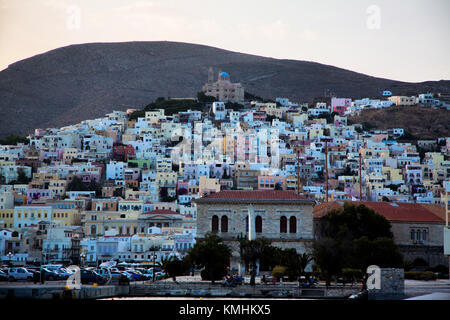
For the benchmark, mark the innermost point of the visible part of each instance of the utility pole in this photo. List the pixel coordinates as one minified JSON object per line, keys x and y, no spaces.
{"x":298,"y":172}
{"x":326,"y":168}
{"x":360,"y":179}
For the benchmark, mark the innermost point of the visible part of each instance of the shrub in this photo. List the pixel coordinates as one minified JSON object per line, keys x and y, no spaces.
{"x":352,"y":274}
{"x":278,"y":271}
{"x":427,"y":275}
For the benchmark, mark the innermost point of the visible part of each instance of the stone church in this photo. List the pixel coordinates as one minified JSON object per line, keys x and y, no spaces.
{"x":223,"y":89}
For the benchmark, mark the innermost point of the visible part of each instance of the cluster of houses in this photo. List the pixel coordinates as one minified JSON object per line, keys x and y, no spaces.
{"x":154,"y":184}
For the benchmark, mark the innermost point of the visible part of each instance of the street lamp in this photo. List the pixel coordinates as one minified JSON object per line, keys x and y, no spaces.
{"x":9,"y":258}
{"x":154,"y":261}
{"x":82,"y":257}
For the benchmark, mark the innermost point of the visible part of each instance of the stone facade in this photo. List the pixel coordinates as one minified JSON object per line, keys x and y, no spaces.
{"x":266,"y":218}
{"x":430,"y":248}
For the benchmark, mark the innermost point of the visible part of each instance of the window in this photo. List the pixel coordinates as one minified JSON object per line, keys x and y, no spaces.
{"x":418,"y":234}
{"x":258,"y":224}
{"x":424,"y":235}
{"x":224,"y":224}
{"x":215,"y":224}
{"x":292,"y":224}
{"x":283,"y":224}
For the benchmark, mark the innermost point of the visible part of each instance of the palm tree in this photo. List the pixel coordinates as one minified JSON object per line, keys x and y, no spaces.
{"x":304,"y":259}
{"x":251,"y":252}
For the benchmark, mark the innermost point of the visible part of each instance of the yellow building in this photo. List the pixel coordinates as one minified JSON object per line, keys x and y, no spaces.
{"x":25,"y":216}
{"x":70,"y":154}
{"x":96,"y":223}
{"x":403,"y":100}
{"x":154,"y":116}
{"x":7,"y":218}
{"x":166,"y":179}
{"x":313,"y":133}
{"x":57,"y":188}
{"x":208,"y":185}
{"x":392,"y":174}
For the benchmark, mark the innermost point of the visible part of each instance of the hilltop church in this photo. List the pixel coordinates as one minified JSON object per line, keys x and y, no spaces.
{"x":223,"y":89}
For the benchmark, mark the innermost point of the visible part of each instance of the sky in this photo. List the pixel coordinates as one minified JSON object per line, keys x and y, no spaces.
{"x":394,"y":39}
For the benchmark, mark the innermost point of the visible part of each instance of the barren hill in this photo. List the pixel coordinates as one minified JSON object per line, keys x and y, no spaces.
{"x":79,"y":82}
{"x":422,"y":122}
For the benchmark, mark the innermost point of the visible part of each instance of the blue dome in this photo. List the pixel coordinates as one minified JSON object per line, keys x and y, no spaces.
{"x":224,"y":74}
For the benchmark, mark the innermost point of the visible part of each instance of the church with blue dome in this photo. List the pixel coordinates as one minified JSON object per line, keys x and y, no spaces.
{"x":223,"y":89}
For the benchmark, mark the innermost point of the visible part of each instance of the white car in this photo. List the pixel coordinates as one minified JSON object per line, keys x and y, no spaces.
{"x":19,"y":274}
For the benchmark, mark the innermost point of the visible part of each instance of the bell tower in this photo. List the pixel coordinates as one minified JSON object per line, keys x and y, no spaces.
{"x":210,"y":75}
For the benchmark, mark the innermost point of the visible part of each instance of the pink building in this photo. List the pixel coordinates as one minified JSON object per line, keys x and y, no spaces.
{"x":413,"y":174}
{"x":38,"y":194}
{"x":340,"y":105}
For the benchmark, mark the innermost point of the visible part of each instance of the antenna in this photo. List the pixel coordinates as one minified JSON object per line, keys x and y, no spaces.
{"x":326,"y":168}
{"x":298,"y":171}
{"x":360,"y":179}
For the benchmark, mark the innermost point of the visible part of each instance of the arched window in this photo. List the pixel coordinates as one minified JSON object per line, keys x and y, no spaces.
{"x":424,"y":235}
{"x":258,"y":224}
{"x":283,"y":224}
{"x":292,"y":224}
{"x":413,"y":234}
{"x":215,"y":224}
{"x":418,"y":234}
{"x":224,"y":224}
{"x":246,"y":223}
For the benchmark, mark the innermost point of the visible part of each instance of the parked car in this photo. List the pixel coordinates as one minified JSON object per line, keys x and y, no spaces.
{"x":15,"y":274}
{"x":143,"y":275}
{"x":148,"y":273}
{"x":49,"y":274}
{"x":90,"y":276}
{"x":64,"y":273}
{"x":3,"y":276}
{"x":110,"y":273}
{"x":128,"y":275}
{"x":136,"y":275}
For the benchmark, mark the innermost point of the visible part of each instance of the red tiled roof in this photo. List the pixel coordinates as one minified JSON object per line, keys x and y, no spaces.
{"x":391,"y":211}
{"x":161,"y":211}
{"x":266,"y":195}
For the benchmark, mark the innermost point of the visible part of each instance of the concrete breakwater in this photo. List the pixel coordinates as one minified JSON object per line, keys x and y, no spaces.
{"x":241,"y":291}
{"x":49,"y":292}
{"x":173,"y":289}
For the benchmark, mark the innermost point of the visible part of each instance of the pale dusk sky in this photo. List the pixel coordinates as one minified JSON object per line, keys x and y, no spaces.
{"x":400,"y":40}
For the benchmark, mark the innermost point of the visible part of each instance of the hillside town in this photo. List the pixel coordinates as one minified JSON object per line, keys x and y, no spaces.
{"x":143,"y":189}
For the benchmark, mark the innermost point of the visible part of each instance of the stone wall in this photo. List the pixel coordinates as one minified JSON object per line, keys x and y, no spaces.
{"x":392,"y":285}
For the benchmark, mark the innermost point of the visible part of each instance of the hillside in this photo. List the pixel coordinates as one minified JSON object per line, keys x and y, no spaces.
{"x":422,"y":122}
{"x":78,"y":82}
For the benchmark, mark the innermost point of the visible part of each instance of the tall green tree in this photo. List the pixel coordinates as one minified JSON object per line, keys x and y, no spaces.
{"x":22,"y":177}
{"x":203,"y":98}
{"x":212,"y":254}
{"x":76,"y":185}
{"x":174,"y":267}
{"x":354,"y":237}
